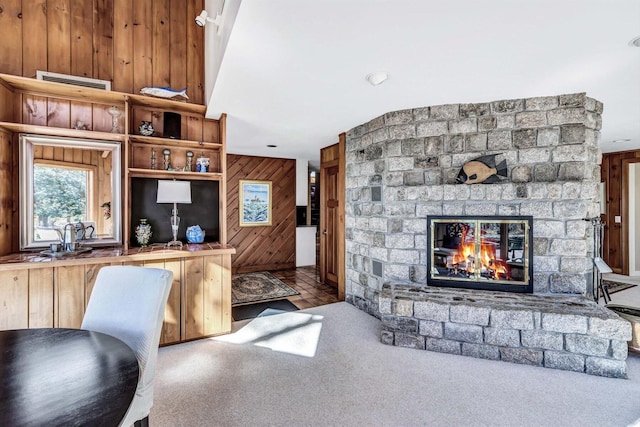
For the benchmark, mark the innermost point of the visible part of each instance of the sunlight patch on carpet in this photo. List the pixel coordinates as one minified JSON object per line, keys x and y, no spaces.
{"x":293,"y":333}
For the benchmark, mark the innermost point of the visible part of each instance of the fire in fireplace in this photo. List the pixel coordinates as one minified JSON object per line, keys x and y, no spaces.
{"x":488,"y":252}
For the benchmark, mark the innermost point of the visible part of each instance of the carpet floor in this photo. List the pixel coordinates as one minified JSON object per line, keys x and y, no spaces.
{"x":354,"y":380}
{"x":249,"y":311}
{"x":260,"y":286}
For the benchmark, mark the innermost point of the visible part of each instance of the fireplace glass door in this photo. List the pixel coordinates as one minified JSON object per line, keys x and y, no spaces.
{"x":492,"y":253}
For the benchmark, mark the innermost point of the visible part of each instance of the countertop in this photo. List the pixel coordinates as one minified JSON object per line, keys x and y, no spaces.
{"x":35,"y":259}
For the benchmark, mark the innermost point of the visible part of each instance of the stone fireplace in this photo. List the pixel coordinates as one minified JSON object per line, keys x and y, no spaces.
{"x":403,"y":169}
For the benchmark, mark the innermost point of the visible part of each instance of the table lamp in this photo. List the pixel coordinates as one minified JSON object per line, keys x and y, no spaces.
{"x":174,"y":192}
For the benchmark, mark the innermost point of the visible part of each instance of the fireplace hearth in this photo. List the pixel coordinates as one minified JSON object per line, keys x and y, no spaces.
{"x":480,"y":252}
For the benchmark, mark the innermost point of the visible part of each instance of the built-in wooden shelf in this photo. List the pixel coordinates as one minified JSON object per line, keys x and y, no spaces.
{"x":95,"y":96}
{"x":170,"y":142}
{"x":25,"y":101}
{"x":159,"y":173}
{"x":62,"y":132}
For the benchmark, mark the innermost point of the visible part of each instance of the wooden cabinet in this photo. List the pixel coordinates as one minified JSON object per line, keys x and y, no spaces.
{"x":36,"y":295}
{"x":53,"y":109}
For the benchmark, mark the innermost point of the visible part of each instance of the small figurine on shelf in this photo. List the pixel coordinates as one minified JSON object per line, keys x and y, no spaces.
{"x":153,"y":158}
{"x":80,"y":125}
{"x":115,"y":115}
{"x":187,"y":168}
{"x":167,"y":159}
{"x":145,"y":128}
{"x":202,"y":164}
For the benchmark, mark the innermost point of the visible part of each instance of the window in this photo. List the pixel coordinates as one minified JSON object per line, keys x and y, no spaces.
{"x":68,"y":181}
{"x":61,"y":196}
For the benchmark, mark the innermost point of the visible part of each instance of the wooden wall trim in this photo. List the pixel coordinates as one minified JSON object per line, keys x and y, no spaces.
{"x":614,"y":172}
{"x":626,"y":220}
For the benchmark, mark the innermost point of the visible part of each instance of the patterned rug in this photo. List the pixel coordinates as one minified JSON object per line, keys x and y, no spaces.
{"x":261,"y":286}
{"x":614,"y":287}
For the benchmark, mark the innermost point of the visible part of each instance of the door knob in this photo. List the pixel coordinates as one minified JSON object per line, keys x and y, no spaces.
{"x":324,"y":232}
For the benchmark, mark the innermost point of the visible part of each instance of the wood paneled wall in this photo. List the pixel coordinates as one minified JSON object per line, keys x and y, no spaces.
{"x":615,"y":243}
{"x":132,"y":43}
{"x":6,"y":193}
{"x":263,"y":248}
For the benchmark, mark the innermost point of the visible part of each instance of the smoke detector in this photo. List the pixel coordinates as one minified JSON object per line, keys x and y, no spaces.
{"x":378,"y":77}
{"x":635,"y":42}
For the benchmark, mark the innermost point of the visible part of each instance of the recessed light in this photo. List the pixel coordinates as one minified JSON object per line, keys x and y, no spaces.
{"x":378,"y":77}
{"x":271,"y":146}
{"x":621,"y":140}
{"x":635,"y":42}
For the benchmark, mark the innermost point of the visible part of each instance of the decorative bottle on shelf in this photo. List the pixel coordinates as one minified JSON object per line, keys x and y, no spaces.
{"x":115,"y":114}
{"x":167,"y":159}
{"x":189,"y":164}
{"x":143,"y":232}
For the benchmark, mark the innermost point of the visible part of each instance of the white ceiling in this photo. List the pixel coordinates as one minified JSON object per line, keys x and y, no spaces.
{"x":293,"y":73}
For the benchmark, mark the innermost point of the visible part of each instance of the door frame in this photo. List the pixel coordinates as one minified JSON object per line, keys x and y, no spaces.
{"x":624,"y":211}
{"x":332,"y":156}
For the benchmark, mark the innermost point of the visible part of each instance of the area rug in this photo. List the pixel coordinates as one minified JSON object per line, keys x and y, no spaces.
{"x":613,"y":287}
{"x":251,"y":311}
{"x":260,"y":286}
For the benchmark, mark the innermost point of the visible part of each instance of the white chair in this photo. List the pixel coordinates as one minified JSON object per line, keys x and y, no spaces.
{"x":128,"y":302}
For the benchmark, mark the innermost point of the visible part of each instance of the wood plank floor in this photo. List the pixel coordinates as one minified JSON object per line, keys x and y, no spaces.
{"x":306,"y":280}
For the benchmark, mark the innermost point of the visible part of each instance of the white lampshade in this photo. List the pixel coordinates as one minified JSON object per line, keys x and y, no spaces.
{"x":174,"y":192}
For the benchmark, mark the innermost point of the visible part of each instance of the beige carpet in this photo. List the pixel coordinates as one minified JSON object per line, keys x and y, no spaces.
{"x":330,"y":369}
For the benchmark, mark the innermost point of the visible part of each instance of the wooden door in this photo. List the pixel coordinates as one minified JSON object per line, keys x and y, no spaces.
{"x":332,"y":196}
{"x":330,"y":222}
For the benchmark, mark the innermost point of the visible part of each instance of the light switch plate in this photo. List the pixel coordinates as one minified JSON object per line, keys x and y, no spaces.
{"x":617,"y":219}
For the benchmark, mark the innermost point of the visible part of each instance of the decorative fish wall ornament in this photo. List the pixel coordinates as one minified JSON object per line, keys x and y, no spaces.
{"x":483,"y":170}
{"x":164,"y":92}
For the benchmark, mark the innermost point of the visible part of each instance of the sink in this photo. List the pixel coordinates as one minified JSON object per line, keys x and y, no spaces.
{"x":61,"y":254}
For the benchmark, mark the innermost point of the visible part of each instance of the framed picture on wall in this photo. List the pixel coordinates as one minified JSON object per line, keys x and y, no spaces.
{"x":255,"y":203}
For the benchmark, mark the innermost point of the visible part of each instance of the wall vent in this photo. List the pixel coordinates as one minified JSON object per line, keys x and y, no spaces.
{"x":73,"y":80}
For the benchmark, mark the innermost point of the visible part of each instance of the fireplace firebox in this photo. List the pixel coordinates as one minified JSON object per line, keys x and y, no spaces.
{"x":483,"y":252}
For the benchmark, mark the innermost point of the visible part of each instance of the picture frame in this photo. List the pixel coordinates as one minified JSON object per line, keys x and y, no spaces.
{"x":255,"y":203}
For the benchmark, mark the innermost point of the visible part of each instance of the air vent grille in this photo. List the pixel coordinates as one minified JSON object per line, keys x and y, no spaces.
{"x":73,"y":80}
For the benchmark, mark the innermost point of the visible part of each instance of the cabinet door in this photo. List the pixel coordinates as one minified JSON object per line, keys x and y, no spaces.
{"x":14,"y":299}
{"x":217,"y":294}
{"x":171,"y":325}
{"x":69,"y":294}
{"x":41,"y":298}
{"x":193,"y":298}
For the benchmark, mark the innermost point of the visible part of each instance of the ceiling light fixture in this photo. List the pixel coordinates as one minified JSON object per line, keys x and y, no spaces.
{"x":271,"y":146}
{"x":621,"y":140}
{"x":635,"y":42}
{"x":378,"y":77}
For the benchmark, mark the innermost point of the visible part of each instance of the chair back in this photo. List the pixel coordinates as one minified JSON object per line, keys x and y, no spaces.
{"x":128,"y":302}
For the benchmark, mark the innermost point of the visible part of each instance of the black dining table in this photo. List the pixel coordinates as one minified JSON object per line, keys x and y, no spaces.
{"x":64,"y":377}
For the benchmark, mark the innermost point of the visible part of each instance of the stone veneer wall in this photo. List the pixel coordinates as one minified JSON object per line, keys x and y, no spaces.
{"x":402,"y":167}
